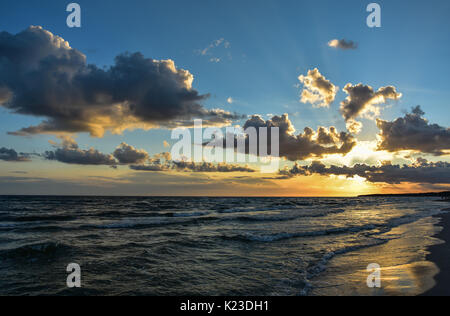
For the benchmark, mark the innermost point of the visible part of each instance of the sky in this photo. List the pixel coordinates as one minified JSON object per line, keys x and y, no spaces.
{"x":230,"y":63}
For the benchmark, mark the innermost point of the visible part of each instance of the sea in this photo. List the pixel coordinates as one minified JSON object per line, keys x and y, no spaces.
{"x":179,"y":246}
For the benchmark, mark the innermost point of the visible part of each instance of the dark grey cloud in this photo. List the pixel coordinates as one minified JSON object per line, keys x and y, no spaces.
{"x":164,"y":162}
{"x":153,"y":167}
{"x":127,"y":154}
{"x":309,"y":144}
{"x":11,"y":155}
{"x":69,"y":152}
{"x":420,"y":172}
{"x":413,"y":132}
{"x":42,"y":76}
{"x":342,"y":44}
{"x":362,"y":100}
{"x":210,"y":167}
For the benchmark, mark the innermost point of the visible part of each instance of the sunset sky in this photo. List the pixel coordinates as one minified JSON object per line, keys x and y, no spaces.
{"x":90,"y":110}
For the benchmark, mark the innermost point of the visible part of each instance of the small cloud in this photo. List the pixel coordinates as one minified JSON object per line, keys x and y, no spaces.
{"x":230,"y":100}
{"x":127,"y":154}
{"x":354,"y":126}
{"x":342,"y":44}
{"x":166,"y":144}
{"x":214,"y":44}
{"x":7,"y":154}
{"x":318,"y":91}
{"x":212,"y":48}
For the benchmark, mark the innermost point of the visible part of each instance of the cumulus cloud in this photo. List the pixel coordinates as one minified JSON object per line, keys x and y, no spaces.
{"x":413,"y":132}
{"x":42,"y":76}
{"x":354,"y":126}
{"x":127,"y":154}
{"x":362,"y":100}
{"x":11,"y":155}
{"x":318,"y":91}
{"x":421,"y":171}
{"x":69,"y":152}
{"x":309,"y":144}
{"x":342,"y":44}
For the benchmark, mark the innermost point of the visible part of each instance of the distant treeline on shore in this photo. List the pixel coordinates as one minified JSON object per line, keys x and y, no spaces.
{"x":445,"y":194}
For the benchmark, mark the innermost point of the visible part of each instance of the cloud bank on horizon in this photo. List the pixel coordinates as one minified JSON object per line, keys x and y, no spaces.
{"x":421,"y":171}
{"x":68,"y":152}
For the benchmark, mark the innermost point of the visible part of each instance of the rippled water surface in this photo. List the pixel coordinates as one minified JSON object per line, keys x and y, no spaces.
{"x":214,"y":246}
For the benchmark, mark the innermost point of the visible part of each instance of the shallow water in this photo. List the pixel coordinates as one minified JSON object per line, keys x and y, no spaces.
{"x":216,"y":246}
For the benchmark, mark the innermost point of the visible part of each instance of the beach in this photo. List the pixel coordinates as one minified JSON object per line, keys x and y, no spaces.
{"x":440,"y":255}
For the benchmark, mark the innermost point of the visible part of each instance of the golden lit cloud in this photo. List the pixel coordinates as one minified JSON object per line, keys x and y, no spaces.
{"x":318,"y":91}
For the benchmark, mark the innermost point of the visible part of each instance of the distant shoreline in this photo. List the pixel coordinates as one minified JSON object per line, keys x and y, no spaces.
{"x":426,"y":194}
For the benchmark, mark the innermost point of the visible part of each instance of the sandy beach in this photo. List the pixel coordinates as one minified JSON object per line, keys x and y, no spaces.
{"x":440,"y":255}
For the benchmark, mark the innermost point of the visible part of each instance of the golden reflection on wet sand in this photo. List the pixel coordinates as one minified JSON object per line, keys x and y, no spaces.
{"x":404,"y":268}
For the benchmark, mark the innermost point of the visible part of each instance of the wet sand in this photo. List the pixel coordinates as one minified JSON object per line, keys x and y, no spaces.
{"x":440,"y":255}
